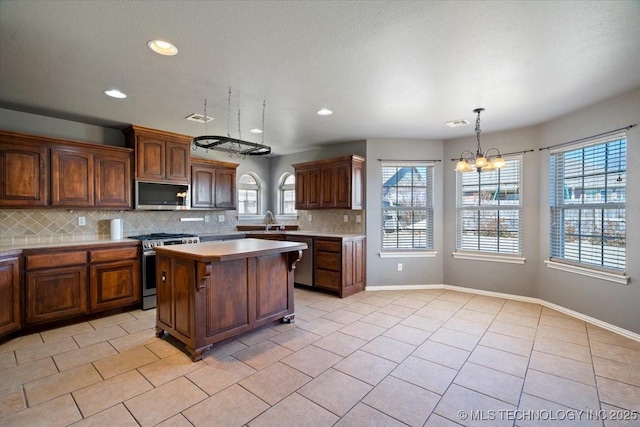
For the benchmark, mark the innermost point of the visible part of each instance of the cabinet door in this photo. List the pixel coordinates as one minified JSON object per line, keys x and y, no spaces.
{"x":225,"y":188}
{"x":342,"y":186}
{"x":114,"y":284}
{"x":10,"y":312}
{"x":57,"y":293}
{"x":177,"y":162}
{"x":24,"y":175}
{"x":150,"y":158}
{"x":301,"y":190}
{"x":113,"y":180}
{"x":71,"y":178}
{"x":203,"y":181}
{"x":313,"y":188}
{"x":328,"y":185}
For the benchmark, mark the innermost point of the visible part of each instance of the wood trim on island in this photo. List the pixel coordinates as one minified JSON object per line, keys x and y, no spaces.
{"x":213,"y":291}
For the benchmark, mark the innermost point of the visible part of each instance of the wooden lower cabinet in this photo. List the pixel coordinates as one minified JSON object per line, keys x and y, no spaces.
{"x":56,"y":294}
{"x":115,"y":278}
{"x":10,"y":304}
{"x":339,"y":265}
{"x":70,"y":283}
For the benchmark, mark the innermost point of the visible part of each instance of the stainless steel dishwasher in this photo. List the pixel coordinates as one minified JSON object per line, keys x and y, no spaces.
{"x":303,"y":273}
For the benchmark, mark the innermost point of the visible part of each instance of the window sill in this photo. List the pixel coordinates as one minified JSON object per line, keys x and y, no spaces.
{"x":288,"y":217}
{"x":259,"y":218}
{"x":620,"y":278}
{"x":422,"y":254}
{"x":489,"y":257}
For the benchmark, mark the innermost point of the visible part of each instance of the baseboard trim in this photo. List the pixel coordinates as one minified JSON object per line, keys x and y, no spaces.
{"x":597,"y":322}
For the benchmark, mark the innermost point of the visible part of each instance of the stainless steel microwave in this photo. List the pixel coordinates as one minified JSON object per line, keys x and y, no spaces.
{"x":155,"y":196}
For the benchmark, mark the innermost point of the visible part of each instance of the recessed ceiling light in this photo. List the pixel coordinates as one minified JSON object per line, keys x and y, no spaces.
{"x":457,"y":123}
{"x":256,"y":130}
{"x":115,"y":93}
{"x":162,"y":47}
{"x":324,"y":112}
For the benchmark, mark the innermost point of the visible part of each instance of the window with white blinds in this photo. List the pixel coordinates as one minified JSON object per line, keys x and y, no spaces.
{"x":588,"y":194}
{"x":407,"y":206}
{"x":489,"y":209}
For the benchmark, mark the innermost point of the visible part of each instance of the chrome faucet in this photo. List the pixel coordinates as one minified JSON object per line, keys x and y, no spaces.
{"x":268,"y":220}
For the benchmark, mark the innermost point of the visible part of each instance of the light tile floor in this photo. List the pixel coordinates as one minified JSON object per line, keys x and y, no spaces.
{"x":418,"y":358}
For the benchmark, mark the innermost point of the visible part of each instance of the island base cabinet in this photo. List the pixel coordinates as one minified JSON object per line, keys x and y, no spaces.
{"x":201,"y":304}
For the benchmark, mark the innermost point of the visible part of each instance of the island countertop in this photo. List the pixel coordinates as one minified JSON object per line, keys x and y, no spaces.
{"x":230,"y":249}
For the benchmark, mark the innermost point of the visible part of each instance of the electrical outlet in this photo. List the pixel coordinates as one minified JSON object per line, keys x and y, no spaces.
{"x":345,"y":218}
{"x":358,"y":219}
{"x":206,"y":218}
{"x":81,"y":221}
{"x":399,"y":266}
{"x":220,"y":218}
{"x":310,"y":218}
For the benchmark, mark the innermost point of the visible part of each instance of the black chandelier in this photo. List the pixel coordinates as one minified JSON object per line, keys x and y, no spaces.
{"x":480,"y":160}
{"x":229,"y":145}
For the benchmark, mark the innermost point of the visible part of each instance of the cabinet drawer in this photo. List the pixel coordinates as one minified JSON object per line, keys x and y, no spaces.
{"x":104,"y":255}
{"x":327,"y":279}
{"x":327,"y":246}
{"x":60,"y":259}
{"x":328,"y":261}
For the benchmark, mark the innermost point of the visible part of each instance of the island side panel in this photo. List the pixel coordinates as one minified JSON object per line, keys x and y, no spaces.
{"x":274,"y":288}
{"x":228,"y":310}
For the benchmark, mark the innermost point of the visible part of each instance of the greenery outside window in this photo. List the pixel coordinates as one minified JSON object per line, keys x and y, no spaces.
{"x":588,"y":198}
{"x":248,"y":194}
{"x":407,"y":206}
{"x":489,"y":209}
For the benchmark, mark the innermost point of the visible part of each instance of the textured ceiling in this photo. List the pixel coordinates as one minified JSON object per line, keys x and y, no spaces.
{"x":388,"y":69}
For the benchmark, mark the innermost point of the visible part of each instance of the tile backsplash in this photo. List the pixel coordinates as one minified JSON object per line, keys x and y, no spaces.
{"x":18,"y":226}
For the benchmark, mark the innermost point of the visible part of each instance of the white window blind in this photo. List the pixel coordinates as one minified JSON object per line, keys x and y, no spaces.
{"x":588,"y":195}
{"x":489,"y":209}
{"x":407,"y":206}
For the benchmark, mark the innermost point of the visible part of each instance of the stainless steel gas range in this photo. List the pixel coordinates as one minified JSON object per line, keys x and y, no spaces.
{"x":149,"y":242}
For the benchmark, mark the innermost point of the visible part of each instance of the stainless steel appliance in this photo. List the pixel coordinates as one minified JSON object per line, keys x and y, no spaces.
{"x":149,"y":242}
{"x":158,"y":196}
{"x":303,"y":274}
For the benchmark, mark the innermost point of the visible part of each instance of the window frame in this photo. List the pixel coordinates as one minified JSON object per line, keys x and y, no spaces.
{"x":401,"y":211}
{"x":283,"y":188}
{"x":563,"y":200}
{"x":257,"y":187}
{"x":503,"y":252}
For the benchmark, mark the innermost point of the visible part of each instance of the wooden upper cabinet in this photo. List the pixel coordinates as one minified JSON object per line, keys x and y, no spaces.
{"x":330,"y":184}
{"x":113,"y":181}
{"x":24,"y":171}
{"x":226,"y":188}
{"x":39,"y":171}
{"x":150,"y":158}
{"x":308,"y":188}
{"x":71,"y":177}
{"x":213,"y":184}
{"x":160,"y":156}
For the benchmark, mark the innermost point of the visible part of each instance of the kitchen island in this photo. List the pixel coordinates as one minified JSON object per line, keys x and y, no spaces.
{"x":209,"y":292}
